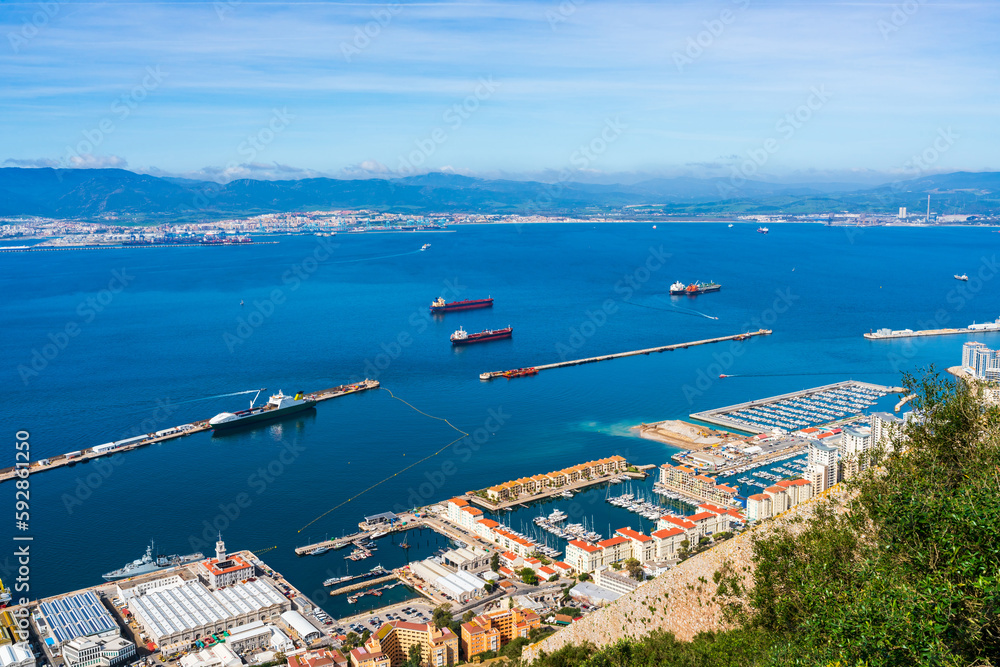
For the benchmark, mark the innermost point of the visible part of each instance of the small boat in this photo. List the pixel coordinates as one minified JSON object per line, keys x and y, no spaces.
{"x":730,"y":224}
{"x":319,"y":551}
{"x":425,"y":246}
{"x":762,"y":230}
{"x":964,"y":277}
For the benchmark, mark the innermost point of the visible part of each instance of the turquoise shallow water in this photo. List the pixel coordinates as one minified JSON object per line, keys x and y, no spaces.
{"x":145,"y":357}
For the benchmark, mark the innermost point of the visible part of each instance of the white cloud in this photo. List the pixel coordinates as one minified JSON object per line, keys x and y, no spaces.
{"x":88,"y":161}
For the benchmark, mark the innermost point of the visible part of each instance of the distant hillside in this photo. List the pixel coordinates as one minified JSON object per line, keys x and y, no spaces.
{"x":89,"y":193}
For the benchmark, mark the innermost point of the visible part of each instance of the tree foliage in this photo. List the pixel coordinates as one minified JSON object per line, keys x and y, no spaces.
{"x":441,"y":616}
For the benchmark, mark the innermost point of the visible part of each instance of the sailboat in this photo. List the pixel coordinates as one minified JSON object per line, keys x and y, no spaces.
{"x":404,"y":544}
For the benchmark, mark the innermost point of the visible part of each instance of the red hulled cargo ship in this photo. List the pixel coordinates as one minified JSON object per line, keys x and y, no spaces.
{"x":439,"y":306}
{"x":463,"y":337}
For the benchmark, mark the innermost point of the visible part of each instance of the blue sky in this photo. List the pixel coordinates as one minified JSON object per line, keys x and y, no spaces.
{"x":515,"y":89}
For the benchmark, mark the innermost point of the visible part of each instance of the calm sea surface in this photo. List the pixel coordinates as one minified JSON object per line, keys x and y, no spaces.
{"x":145,"y":357}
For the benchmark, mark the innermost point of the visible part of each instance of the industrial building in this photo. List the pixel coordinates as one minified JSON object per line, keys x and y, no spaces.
{"x":298,"y":624}
{"x":219,"y":655}
{"x":258,"y":635}
{"x":176,"y":613}
{"x":16,"y":655}
{"x":66,"y":618}
{"x":461,"y":585}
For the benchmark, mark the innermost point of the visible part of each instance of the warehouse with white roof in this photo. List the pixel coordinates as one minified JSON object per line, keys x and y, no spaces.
{"x":303,"y":628}
{"x":180,"y":612}
{"x":460,"y":585}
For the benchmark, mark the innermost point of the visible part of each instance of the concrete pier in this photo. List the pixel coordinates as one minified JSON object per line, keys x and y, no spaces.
{"x":489,"y":375}
{"x":337,"y":543}
{"x":363,"y":584}
{"x":72,"y":458}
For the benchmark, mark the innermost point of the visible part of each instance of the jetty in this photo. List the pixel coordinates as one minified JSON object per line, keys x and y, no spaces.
{"x":363,"y":584}
{"x":337,"y":543}
{"x":889,"y":334}
{"x":489,"y":375}
{"x":129,"y":444}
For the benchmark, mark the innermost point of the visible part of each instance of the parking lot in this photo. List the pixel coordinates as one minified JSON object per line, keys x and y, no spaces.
{"x":413,"y":611}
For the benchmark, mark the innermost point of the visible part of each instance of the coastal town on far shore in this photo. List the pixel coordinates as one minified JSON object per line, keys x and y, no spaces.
{"x":118,"y":230}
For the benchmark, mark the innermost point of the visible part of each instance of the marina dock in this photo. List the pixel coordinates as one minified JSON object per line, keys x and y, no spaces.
{"x":822,"y":405}
{"x":129,"y":444}
{"x":532,"y":370}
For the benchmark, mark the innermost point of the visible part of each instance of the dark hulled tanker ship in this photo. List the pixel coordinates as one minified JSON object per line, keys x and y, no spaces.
{"x":463,"y":337}
{"x":439,"y":306}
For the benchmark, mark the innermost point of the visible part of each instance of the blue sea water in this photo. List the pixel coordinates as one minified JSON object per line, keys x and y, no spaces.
{"x":146,"y":357}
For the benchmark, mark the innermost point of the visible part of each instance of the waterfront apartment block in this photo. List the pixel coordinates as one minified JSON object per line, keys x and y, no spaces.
{"x":537,"y":483}
{"x":617,"y":581}
{"x":822,"y":466}
{"x":626,"y":543}
{"x":689,"y":482}
{"x":394,"y":639}
{"x":886,"y":430}
{"x":493,"y":630}
{"x":778,"y":498}
{"x":668,"y":542}
{"x":982,"y":362}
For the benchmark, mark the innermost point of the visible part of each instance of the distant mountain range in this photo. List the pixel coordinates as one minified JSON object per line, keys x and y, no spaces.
{"x":91,"y":193}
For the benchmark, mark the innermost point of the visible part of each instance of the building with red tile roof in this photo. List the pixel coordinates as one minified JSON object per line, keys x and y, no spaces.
{"x":493,"y":630}
{"x":395,"y":638}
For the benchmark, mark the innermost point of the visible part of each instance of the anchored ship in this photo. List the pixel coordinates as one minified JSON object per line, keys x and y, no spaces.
{"x":693,"y":289}
{"x":762,"y":230}
{"x":463,"y":337}
{"x":148,"y":564}
{"x":279,"y":405}
{"x":439,"y":306}
{"x":225,"y":240}
{"x":964,"y":277}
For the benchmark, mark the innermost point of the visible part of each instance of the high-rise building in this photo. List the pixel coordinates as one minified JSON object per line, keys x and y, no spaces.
{"x":887,"y":431}
{"x":902,"y":213}
{"x":822,"y":466}
{"x":394,"y":639}
{"x":855,"y":446}
{"x":493,"y":630}
{"x":983,"y":362}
